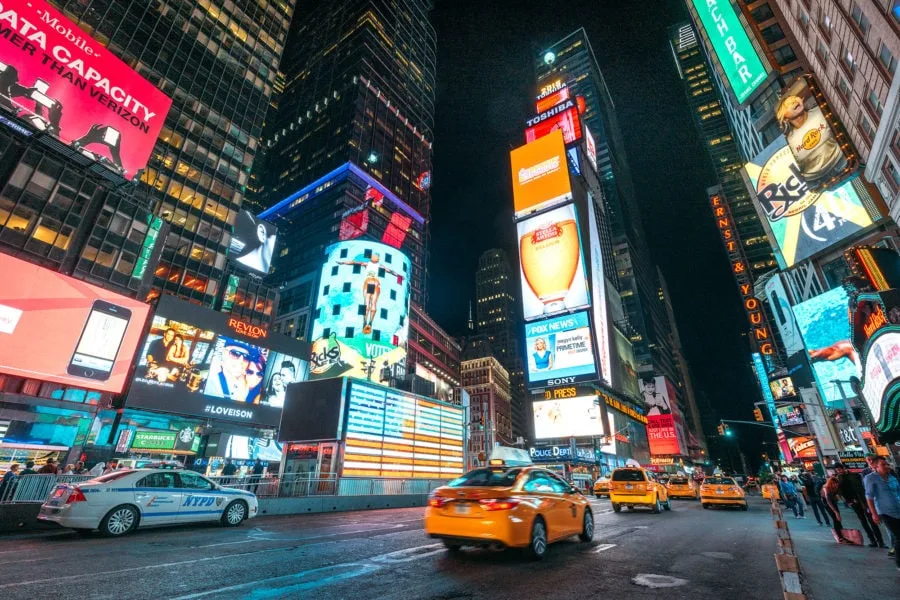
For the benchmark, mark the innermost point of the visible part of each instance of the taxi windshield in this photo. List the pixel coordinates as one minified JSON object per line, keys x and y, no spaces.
{"x":718,"y":481}
{"x":486,"y":478}
{"x":678,"y":480}
{"x":628,"y":475}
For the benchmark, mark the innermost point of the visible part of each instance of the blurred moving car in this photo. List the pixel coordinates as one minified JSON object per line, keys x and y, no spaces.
{"x":722,"y":491}
{"x":683,"y":487}
{"x":510,"y":504}
{"x":636,"y":486}
{"x":119,"y":502}
{"x":601,"y":486}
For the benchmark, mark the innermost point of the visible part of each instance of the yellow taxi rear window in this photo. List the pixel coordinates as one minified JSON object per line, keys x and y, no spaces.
{"x":628,"y":475}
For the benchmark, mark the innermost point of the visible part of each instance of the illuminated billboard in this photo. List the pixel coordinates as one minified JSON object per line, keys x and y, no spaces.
{"x":252,"y":242}
{"x":540,"y":174}
{"x":824,"y":324}
{"x":784,"y":315}
{"x":802,"y":446}
{"x":782,"y":388}
{"x":662,"y":426}
{"x":741,"y":64}
{"x":598,"y":298}
{"x":58,"y":79}
{"x":815,"y":137}
{"x":789,"y":416}
{"x":559,"y":350}
{"x":201,"y":362}
{"x":563,"y":117}
{"x":362,"y":312}
{"x":882,"y":368}
{"x":802,"y":222}
{"x":391,"y":433}
{"x":590,"y":147}
{"x":569,"y":417}
{"x":551,"y":263}
{"x":61,"y":329}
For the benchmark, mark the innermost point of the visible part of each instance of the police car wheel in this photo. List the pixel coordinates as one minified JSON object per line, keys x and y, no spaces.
{"x":121,"y":520}
{"x":234,"y":514}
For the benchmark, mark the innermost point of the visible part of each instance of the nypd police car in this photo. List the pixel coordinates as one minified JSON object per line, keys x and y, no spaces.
{"x":119,"y":502}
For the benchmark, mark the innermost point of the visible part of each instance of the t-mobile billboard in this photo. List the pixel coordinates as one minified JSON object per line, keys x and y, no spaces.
{"x":59,"y":79}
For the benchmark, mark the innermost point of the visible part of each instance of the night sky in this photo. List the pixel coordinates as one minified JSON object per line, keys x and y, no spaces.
{"x":485,"y":83}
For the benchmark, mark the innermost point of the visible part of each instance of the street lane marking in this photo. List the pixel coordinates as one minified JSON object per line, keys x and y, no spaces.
{"x":657,"y":581}
{"x":602,"y":548}
{"x":409,"y":554}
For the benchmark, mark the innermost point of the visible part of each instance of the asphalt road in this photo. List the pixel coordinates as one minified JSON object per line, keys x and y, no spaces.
{"x":702,"y":554}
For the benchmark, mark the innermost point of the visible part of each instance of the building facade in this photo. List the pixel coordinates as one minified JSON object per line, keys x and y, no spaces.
{"x":490,"y":419}
{"x":433,"y":356}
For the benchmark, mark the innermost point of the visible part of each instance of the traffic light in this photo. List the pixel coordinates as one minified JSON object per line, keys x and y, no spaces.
{"x":721,"y":428}
{"x":757,"y":414}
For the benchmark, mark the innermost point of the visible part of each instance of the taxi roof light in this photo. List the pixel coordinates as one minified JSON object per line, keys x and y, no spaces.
{"x":504,"y":456}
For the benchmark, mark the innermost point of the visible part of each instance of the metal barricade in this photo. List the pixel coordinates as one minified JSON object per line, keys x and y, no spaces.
{"x":36,"y":488}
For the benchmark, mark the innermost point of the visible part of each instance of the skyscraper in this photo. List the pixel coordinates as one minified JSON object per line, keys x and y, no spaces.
{"x":572,"y":61}
{"x":707,"y":107}
{"x":487,"y":383}
{"x":349,"y":147}
{"x":498,"y":319}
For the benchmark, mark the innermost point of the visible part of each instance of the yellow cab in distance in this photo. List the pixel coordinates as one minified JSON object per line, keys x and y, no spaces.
{"x":635,"y":486}
{"x":680,"y":486}
{"x":722,"y":491}
{"x":509,"y":504}
{"x":601,"y":486}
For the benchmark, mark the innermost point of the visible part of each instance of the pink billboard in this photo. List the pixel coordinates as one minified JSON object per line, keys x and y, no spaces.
{"x":61,"y":81}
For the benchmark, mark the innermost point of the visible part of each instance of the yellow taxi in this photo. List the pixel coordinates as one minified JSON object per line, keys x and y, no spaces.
{"x":510,"y":504}
{"x":636,"y":486}
{"x":682,"y":487}
{"x":722,"y":491}
{"x":601,"y":486}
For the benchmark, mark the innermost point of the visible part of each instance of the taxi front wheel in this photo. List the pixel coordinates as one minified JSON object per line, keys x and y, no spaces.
{"x":452,"y":547}
{"x":587,"y":529}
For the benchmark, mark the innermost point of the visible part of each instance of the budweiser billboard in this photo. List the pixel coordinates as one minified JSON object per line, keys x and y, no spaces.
{"x":61,"y":81}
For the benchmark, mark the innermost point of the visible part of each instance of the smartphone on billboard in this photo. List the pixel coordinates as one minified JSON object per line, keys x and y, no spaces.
{"x":100,"y":340}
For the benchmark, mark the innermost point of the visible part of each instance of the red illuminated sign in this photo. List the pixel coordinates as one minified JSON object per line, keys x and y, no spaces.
{"x":566,"y":120}
{"x":552,"y":99}
{"x":396,"y":230}
{"x":60,"y":80}
{"x":248,"y":329}
{"x":662,"y":435}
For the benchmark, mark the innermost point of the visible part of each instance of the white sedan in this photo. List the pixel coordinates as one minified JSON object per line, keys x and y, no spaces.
{"x":120,"y":502}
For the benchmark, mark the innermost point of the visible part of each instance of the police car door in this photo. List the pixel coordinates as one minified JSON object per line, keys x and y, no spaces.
{"x":158,"y":497}
{"x":200,"y":499}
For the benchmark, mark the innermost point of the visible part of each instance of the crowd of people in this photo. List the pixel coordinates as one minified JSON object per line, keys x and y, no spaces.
{"x":873,"y":496}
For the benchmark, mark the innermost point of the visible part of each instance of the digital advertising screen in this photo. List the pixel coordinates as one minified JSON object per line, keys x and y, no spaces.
{"x":391,"y":433}
{"x":662,"y":429}
{"x":199,"y":362}
{"x":782,"y":388}
{"x":803,"y":222}
{"x":551,"y":99}
{"x":362,"y":312}
{"x":563,"y":117}
{"x":825,"y":327}
{"x":61,"y":329}
{"x":602,"y":335}
{"x":783,"y":313}
{"x":241,"y":447}
{"x":882,"y":368}
{"x":540,"y":175}
{"x":569,"y":417}
{"x":559,"y":350}
{"x":802,"y":446}
{"x":590,"y":147}
{"x":252,"y":242}
{"x":61,"y":81}
{"x":551,"y":263}
{"x":734,"y":51}
{"x":789,"y":416}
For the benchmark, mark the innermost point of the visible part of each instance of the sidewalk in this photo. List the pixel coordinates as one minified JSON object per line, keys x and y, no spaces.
{"x":832,"y":570}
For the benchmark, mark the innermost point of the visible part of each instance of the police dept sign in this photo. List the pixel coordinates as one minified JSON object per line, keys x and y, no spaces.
{"x":561,"y":454}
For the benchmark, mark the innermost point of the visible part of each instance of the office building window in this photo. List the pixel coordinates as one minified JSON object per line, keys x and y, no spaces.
{"x":887,"y":58}
{"x":849,"y":62}
{"x":844,"y":89}
{"x":866,"y":127}
{"x":784,"y":55}
{"x":860,"y":19}
{"x":822,"y":52}
{"x":874,"y":103}
{"x":827,"y":25}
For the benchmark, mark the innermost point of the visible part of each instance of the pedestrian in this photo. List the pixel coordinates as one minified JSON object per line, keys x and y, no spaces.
{"x":29,"y":469}
{"x":9,"y":482}
{"x":854,"y":494}
{"x":802,"y":500}
{"x":79,"y":468}
{"x":258,"y":470}
{"x":829,"y":496}
{"x":228,"y":472}
{"x":789,"y":494}
{"x":111,"y":466}
{"x":49,"y":467}
{"x":883,"y":498}
{"x":69,"y":470}
{"x":813,"y":486}
{"x":97,"y":470}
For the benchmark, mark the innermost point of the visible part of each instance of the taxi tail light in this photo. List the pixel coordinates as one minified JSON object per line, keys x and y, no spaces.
{"x":437,"y":501}
{"x":498,"y":504}
{"x":76,"y":495}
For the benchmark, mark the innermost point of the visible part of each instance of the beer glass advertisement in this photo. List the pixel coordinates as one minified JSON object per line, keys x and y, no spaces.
{"x":195,"y":364}
{"x":559,"y":350}
{"x":540,"y":175}
{"x":362,"y":312}
{"x":882,"y":368}
{"x":551,"y":263}
{"x":803,"y":222}
{"x":252,"y":242}
{"x":825,"y":327}
{"x":571,"y":417}
{"x":61,"y":329}
{"x":59,"y":80}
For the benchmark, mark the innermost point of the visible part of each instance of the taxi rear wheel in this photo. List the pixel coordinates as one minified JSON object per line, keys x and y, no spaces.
{"x":451,"y":546}
{"x":587,"y":528}
{"x":537,"y":549}
{"x":617,"y":507}
{"x":121,"y":520}
{"x":745,"y":507}
{"x":234,"y":513}
{"x":668,"y":504}
{"x":657,"y":507}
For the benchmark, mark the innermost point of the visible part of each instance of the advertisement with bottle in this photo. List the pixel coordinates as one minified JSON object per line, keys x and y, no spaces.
{"x":559,"y":350}
{"x":59,"y":80}
{"x":551,"y":263}
{"x":61,"y":329}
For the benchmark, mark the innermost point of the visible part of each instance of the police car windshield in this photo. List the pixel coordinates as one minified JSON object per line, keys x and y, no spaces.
{"x":113,"y":476}
{"x":486,"y":478}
